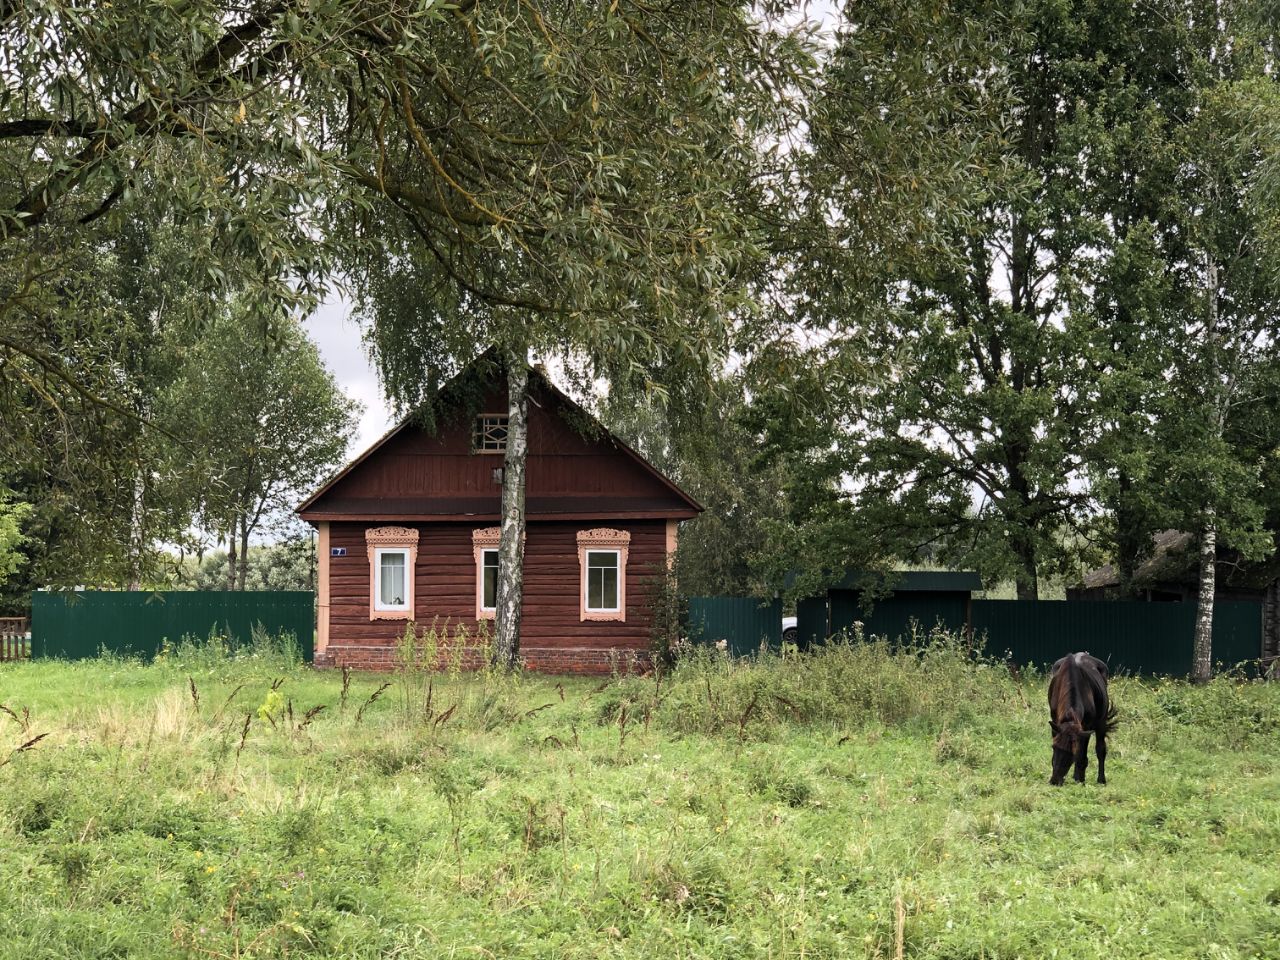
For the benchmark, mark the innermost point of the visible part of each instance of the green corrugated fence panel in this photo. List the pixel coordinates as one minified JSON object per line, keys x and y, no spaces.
{"x":896,"y":617}
{"x":1135,"y":636}
{"x":1237,"y":631}
{"x":811,"y":622}
{"x":76,"y":626}
{"x":744,"y":622}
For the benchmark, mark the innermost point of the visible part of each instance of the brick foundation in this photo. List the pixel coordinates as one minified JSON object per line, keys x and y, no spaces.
{"x":584,"y":661}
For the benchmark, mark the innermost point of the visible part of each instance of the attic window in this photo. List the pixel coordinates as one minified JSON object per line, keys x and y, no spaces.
{"x":490,"y":434}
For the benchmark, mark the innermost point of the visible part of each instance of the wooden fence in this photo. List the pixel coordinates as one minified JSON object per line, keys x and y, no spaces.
{"x":14,"y":639}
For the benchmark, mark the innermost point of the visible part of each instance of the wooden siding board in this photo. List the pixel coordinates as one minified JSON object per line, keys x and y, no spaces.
{"x":416,"y":473}
{"x":445,"y":586}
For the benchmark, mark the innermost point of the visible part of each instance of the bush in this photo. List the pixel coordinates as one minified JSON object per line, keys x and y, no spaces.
{"x":846,"y":683}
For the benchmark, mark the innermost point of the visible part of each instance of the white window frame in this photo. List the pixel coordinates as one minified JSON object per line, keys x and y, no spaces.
{"x":603,"y":540}
{"x":586,"y":584}
{"x":378,"y":604}
{"x":480,"y":430}
{"x":380,"y":540}
{"x":483,"y":566}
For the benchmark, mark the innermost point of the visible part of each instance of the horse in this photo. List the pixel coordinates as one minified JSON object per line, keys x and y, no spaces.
{"x":1078,"y":706}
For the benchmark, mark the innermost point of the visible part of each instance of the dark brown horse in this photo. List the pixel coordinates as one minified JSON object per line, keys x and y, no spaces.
{"x":1079,"y":706}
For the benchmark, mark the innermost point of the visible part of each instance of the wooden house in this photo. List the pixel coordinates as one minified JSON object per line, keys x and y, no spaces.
{"x":408,"y":532}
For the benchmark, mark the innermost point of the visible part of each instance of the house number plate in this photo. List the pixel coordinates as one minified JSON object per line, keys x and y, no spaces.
{"x":337,"y":551}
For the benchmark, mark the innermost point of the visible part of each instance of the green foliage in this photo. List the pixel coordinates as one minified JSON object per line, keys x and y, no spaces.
{"x":266,"y":420}
{"x":142,"y":820}
{"x":286,"y":565}
{"x":12,"y":515}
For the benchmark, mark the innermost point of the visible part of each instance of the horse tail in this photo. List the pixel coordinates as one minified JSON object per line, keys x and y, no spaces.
{"x":1112,"y":719}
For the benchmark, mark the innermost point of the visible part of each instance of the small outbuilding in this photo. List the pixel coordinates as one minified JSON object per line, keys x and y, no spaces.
{"x":890,"y":604}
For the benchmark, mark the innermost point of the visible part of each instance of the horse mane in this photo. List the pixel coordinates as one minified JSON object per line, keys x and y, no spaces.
{"x":1066,"y":707}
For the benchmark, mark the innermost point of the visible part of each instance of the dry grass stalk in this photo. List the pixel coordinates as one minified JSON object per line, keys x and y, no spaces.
{"x":244,"y":734}
{"x":22,"y":749}
{"x":309,"y":716}
{"x":346,"y":688}
{"x":226,"y":703}
{"x":444,"y":717}
{"x":373,"y":697}
{"x":23,"y":721}
{"x":195,"y":694}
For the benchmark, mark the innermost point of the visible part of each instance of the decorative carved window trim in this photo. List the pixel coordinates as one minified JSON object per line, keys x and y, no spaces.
{"x":486,"y":538}
{"x":378,"y":539}
{"x":603,"y":538}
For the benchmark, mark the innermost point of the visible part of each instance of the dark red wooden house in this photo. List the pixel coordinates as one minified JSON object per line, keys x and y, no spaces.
{"x":409,"y":532}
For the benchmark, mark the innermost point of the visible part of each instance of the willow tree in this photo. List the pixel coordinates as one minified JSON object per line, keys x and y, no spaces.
{"x":118,"y":122}
{"x":547,"y":177}
{"x":575,"y":181}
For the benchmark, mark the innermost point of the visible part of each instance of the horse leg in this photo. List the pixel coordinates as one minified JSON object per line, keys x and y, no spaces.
{"x":1082,"y":756}
{"x":1101,"y":748}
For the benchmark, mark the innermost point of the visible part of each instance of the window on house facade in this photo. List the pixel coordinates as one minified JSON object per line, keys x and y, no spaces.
{"x":392,"y":592}
{"x":602,"y":581}
{"x":602,"y":563}
{"x":393,"y":553}
{"x":490,"y":433}
{"x":484,"y":545}
{"x":489,"y":580}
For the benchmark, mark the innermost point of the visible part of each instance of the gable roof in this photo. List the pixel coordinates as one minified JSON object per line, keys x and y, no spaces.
{"x":1172,"y":561}
{"x":904,"y":581}
{"x":536,"y":378}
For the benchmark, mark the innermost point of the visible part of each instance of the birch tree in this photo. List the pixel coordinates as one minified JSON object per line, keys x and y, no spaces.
{"x":1232,"y":332}
{"x":268,"y":420}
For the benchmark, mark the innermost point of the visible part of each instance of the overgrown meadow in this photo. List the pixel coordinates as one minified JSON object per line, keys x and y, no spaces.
{"x":852,"y":803}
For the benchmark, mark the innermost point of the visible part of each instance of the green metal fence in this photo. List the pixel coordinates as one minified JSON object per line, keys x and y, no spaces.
{"x":1136,"y":636}
{"x":1139,"y":637}
{"x":743,"y":622}
{"x":812,"y":624}
{"x":76,"y":626}
{"x":898,"y":615}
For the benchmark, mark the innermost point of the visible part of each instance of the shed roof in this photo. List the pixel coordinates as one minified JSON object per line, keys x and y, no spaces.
{"x":913,"y":581}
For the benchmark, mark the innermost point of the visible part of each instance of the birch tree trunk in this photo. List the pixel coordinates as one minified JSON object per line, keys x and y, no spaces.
{"x":137,"y":528}
{"x":1202,"y":646}
{"x":511,"y":545}
{"x":1202,"y":659}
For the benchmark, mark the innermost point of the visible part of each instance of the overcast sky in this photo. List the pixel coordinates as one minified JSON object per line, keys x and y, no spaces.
{"x":339,"y":339}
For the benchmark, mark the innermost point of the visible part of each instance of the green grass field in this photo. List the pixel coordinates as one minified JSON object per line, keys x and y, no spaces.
{"x":853,"y":804}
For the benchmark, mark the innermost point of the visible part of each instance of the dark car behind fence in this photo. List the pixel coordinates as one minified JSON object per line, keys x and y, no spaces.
{"x":83,"y":624}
